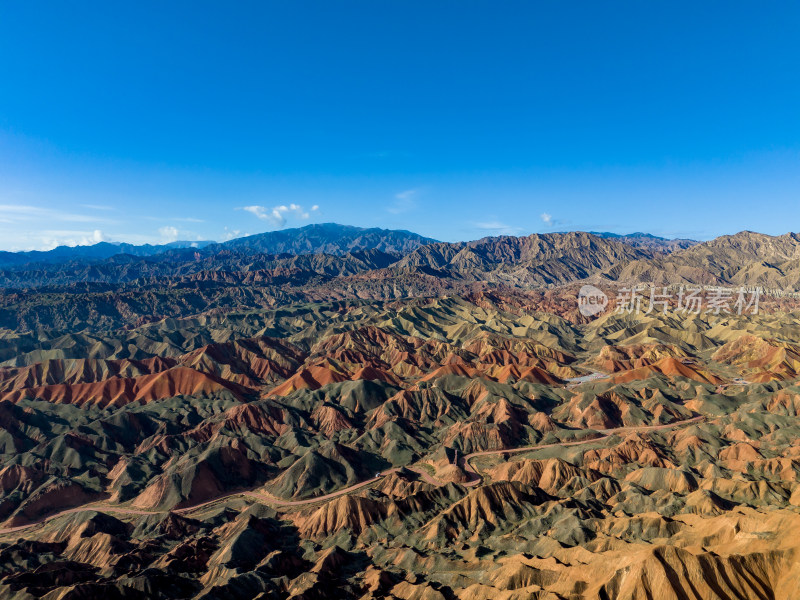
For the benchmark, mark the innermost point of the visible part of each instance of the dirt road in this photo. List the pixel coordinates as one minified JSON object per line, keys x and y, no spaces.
{"x":266,"y":498}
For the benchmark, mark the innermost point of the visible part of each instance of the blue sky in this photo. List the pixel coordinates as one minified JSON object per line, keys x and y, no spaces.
{"x":149,"y":122}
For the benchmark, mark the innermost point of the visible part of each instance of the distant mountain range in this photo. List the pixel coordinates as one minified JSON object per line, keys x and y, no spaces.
{"x":322,"y":238}
{"x":379,"y":263}
{"x":95,"y":252}
{"x":648,"y":240}
{"x":329,"y":238}
{"x":746,"y":258}
{"x":537,"y":259}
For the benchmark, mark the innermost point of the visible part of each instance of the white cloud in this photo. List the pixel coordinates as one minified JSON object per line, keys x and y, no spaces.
{"x":231,"y":234}
{"x":30,"y":227}
{"x":498,"y":228}
{"x":180,"y":219}
{"x":54,"y":238}
{"x":547,"y":218}
{"x":14,"y":213}
{"x":168,"y":234}
{"x":403,"y":202}
{"x":97,"y":206}
{"x":277,"y":215}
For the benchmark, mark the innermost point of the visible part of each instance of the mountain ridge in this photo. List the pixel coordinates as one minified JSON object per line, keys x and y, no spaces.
{"x":98,"y":251}
{"x":330,"y":238}
{"x":238,"y":424}
{"x":318,"y":238}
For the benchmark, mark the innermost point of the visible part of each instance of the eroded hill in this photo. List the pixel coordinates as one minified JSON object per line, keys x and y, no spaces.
{"x":487,"y":445}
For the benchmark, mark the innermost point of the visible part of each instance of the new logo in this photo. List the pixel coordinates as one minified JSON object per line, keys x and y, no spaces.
{"x":591,"y":301}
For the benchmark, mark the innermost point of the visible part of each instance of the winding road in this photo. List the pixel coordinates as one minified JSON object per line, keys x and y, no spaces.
{"x":606,"y":433}
{"x":268,"y":499}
